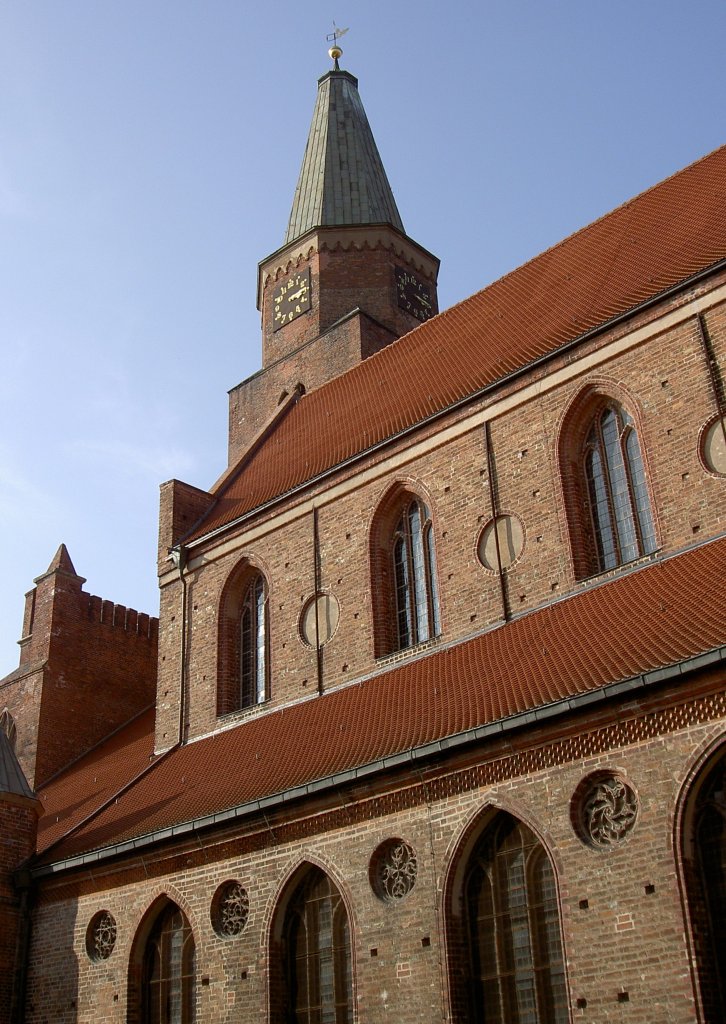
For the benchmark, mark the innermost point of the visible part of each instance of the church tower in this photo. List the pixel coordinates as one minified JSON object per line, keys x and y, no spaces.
{"x":347,"y":281}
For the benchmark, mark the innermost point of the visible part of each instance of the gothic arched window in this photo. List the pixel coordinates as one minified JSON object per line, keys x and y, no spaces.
{"x":706,"y":883}
{"x":244,"y":644}
{"x":617,"y":492}
{"x":318,"y":968}
{"x":516,"y":968}
{"x":253,"y":644}
{"x":168,"y":981}
{"x":414,"y":575}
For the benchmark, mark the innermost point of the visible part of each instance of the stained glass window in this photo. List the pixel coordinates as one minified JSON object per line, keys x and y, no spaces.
{"x":253,"y":644}
{"x":168,"y":991}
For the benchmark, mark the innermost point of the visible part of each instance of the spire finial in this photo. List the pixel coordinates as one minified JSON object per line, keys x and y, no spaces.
{"x":335,"y":51}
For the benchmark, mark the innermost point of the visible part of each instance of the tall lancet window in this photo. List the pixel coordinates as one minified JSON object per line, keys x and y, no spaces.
{"x":618,"y":494}
{"x":319,"y":979}
{"x":516,"y":966}
{"x":253,"y":644}
{"x":705,"y":863}
{"x":168,"y":980}
{"x":414,"y":572}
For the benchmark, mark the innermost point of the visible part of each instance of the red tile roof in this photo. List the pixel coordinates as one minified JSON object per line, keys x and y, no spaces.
{"x":633,"y":254}
{"x":568,"y":648}
{"x":91,"y":781}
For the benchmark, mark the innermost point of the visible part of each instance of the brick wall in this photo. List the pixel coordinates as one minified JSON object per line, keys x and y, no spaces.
{"x":659,"y":373}
{"x":87,"y":667}
{"x":18,"y":820}
{"x":624,"y":929}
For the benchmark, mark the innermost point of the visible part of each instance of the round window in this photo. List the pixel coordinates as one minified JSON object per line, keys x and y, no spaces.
{"x":319,"y":619}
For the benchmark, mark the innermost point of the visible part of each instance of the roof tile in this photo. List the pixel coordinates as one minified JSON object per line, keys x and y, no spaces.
{"x":651,"y":243}
{"x":574,"y":646}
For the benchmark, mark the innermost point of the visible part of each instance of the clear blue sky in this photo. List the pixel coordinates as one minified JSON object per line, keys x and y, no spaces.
{"x":148,"y":157}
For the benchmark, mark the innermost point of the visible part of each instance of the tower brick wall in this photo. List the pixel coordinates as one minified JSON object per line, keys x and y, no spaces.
{"x":87,"y":667}
{"x":18,"y":823}
{"x":253,"y":402}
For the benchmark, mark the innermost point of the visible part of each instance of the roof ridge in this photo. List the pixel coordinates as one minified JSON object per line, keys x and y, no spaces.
{"x":573,"y":234}
{"x":558,"y":297}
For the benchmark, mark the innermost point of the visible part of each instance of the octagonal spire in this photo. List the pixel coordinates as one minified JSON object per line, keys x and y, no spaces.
{"x":342,"y":181}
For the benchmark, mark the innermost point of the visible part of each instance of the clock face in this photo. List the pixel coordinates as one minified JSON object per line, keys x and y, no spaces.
{"x":414,"y":295}
{"x":291,"y":298}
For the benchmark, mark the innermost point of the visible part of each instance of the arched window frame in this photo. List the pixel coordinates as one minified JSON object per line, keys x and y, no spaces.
{"x":580,"y":435}
{"x":162,"y":969}
{"x":244,"y":642}
{"x":619,"y":503}
{"x":486,"y":978}
{"x":7,"y":724}
{"x":414,"y":574}
{"x":311,"y":976}
{"x":703,"y":874}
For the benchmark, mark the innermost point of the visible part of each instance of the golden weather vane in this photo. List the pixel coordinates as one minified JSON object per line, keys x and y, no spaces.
{"x":335,"y":51}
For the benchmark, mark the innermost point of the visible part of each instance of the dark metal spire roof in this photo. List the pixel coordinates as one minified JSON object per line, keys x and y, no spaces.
{"x":12,"y":779}
{"x":342,"y":181}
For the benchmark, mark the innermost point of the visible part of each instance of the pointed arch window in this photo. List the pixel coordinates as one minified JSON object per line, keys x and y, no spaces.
{"x":516,"y":965}
{"x":622,"y":521}
{"x":168,"y":978}
{"x":707,"y":889}
{"x":244,"y":668}
{"x":253,"y":644}
{"x":414,"y":574}
{"x":318,"y":966}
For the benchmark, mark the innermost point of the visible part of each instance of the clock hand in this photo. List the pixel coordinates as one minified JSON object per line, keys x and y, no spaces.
{"x":296,"y":295}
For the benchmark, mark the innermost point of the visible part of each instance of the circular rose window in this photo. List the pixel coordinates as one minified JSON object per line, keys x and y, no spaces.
{"x":713,"y":446}
{"x":101,"y":936}
{"x":230,"y":910}
{"x":393,"y":870}
{"x":605,"y":809}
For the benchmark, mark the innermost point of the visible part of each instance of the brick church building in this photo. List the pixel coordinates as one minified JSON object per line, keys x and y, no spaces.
{"x":432,"y":724}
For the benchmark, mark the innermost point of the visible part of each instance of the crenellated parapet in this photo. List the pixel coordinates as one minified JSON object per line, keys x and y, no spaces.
{"x":87,"y":666}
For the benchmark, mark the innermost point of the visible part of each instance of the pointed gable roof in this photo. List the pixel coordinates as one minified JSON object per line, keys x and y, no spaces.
{"x":12,"y":778}
{"x":62,"y":562}
{"x":342,"y":181}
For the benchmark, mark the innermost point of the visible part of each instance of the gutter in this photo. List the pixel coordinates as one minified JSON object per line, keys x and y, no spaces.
{"x":460,"y":403}
{"x":411,"y":757}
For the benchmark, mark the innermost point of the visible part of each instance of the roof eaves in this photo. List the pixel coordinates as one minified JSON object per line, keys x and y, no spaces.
{"x":421,"y":753}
